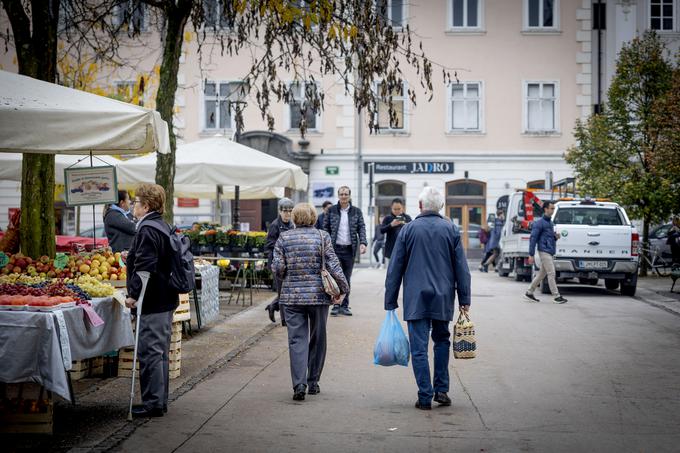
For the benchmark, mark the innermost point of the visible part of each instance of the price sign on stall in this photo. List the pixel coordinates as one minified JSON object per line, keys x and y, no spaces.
{"x":60,"y":261}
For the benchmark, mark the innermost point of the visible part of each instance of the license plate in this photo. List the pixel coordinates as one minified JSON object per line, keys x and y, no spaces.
{"x":593,"y":264}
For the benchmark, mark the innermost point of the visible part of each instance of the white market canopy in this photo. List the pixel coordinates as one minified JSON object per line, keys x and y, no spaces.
{"x":42,"y":117}
{"x":228,"y":192}
{"x":10,"y":165}
{"x":219,"y":161}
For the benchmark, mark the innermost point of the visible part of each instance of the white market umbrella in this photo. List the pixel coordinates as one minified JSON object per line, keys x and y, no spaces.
{"x":228,"y":192}
{"x":42,"y":117}
{"x":219,"y":161}
{"x":10,"y":165}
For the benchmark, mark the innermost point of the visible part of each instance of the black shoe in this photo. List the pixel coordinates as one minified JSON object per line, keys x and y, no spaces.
{"x":299,"y":392}
{"x":345,"y":311}
{"x":142,"y":412}
{"x":271,"y":308}
{"x":335,"y":311}
{"x":442,"y":398}
{"x":314,"y":389}
{"x":423,"y":407}
{"x":559,"y":300}
{"x":165,"y":409}
{"x":530,"y":297}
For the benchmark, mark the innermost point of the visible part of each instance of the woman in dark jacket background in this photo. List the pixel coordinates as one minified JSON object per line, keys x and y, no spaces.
{"x":282,"y":223}
{"x":151,"y":252}
{"x":391,"y":226}
{"x":118,"y":223}
{"x":304,"y":303}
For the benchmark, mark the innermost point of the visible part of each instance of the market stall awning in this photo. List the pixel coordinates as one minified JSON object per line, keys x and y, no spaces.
{"x":42,"y":117}
{"x":228,"y":192}
{"x":219,"y":161}
{"x":10,"y":165}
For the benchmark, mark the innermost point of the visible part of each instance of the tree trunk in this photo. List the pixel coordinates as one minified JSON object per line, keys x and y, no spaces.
{"x":176,"y":17}
{"x":35,"y":40}
{"x":37,"y":205}
{"x":645,"y":246}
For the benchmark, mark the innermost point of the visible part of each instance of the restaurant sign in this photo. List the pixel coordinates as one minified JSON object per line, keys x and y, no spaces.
{"x":410,"y":167}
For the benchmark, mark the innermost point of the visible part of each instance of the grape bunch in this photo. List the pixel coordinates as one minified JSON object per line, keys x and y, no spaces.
{"x":78,"y":291}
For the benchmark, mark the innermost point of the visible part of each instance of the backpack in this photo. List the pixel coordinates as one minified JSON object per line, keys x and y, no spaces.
{"x":182,"y":272}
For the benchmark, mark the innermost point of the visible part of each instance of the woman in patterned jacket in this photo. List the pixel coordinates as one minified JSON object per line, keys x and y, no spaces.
{"x":297,"y":262}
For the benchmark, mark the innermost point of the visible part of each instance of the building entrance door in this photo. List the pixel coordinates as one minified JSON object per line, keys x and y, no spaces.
{"x":468,"y":219}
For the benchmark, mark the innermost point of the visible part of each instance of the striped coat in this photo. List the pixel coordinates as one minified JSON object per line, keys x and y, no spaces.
{"x":297,"y":262}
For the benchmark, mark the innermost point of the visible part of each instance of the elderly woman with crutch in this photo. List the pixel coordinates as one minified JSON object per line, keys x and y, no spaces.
{"x":151,"y":252}
{"x":299,"y":256}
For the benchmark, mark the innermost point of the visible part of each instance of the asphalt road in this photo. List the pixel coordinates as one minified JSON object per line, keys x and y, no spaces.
{"x":600,"y":373}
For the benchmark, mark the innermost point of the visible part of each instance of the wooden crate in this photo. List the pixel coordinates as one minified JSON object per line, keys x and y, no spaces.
{"x":125,"y":355}
{"x":183,"y":311}
{"x":14,"y":419}
{"x":32,"y":423}
{"x":81,"y":369}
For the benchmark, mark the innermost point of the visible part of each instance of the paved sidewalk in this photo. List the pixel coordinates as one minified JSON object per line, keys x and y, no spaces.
{"x":596,"y":374}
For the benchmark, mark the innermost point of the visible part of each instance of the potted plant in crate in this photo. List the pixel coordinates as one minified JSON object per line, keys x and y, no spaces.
{"x":222,"y":245}
{"x":238,"y":241}
{"x":256,"y":241}
{"x":208,"y":247}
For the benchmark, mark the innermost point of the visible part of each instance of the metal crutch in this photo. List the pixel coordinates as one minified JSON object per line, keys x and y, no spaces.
{"x":144,"y":276}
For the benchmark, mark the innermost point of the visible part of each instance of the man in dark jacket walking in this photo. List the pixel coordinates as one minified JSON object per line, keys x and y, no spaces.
{"x":151,"y":252}
{"x":428,"y":256}
{"x":544,"y":237}
{"x":345,"y":224}
{"x":324,"y":209}
{"x":392,"y":225}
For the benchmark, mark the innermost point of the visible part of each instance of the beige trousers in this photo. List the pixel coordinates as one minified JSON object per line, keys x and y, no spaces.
{"x":547,"y":268}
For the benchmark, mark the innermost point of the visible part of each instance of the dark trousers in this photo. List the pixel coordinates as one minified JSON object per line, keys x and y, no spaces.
{"x":377,"y":246}
{"x":153,"y":352}
{"x":418,"y":332}
{"x":346,"y":258}
{"x":306,"y":341}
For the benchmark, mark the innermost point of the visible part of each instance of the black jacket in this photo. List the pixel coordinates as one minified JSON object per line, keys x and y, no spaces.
{"x":119,"y":230}
{"x":151,"y":252}
{"x":357,"y":227}
{"x":391,"y":232}
{"x":275,"y":229}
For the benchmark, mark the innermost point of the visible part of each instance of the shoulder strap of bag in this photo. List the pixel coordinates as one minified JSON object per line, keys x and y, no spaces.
{"x":323,"y":251}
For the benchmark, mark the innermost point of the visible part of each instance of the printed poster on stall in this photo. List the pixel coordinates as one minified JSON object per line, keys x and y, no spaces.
{"x":90,"y":185}
{"x":322,"y":191}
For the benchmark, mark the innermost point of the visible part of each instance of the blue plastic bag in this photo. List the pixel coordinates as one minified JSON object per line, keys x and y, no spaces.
{"x":391,"y":347}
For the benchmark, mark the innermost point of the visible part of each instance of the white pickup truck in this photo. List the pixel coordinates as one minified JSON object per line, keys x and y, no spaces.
{"x":596,"y":241}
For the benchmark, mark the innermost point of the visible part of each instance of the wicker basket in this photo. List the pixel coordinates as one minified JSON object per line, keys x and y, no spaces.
{"x":464,"y":343}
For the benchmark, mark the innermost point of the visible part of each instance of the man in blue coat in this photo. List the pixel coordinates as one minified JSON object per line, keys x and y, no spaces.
{"x":428,"y":256}
{"x":544,"y":238}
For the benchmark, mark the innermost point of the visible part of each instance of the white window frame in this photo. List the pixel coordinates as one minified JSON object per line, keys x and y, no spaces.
{"x":480,"y":110}
{"x":674,"y":19}
{"x":294,"y":128}
{"x":217,"y":27}
{"x":540,"y":29}
{"x":130,"y":83}
{"x":404,"y":98}
{"x":145,"y":19}
{"x":204,"y":98}
{"x":465,"y":28}
{"x":404,"y":12}
{"x":525,"y":107}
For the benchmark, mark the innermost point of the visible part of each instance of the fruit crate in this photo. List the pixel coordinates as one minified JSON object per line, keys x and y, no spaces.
{"x":125,"y":356}
{"x":81,"y":369}
{"x":26,"y":416}
{"x":183,"y":311}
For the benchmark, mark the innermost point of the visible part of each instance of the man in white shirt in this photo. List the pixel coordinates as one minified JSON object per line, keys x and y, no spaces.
{"x":345,"y":224}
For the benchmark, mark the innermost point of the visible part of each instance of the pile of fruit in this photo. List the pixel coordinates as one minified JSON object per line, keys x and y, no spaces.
{"x":104,"y":265}
{"x":41,"y":295}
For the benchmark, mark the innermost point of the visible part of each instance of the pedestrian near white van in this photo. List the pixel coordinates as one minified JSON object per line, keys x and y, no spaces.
{"x":544,"y":238}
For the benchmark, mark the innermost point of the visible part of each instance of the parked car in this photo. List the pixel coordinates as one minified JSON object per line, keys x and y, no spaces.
{"x":596,"y":241}
{"x":657,"y":240}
